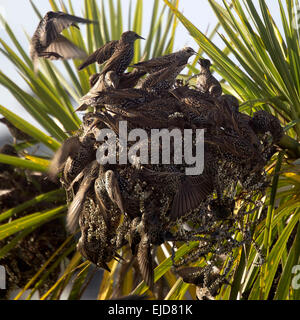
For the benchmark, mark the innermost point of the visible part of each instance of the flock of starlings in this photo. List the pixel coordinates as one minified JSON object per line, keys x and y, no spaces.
{"x":125,"y":211}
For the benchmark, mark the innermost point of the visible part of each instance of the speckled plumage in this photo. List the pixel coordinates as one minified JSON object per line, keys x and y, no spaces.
{"x":116,"y":54}
{"x":177,"y":58}
{"x":89,"y":174}
{"x":162,"y":80}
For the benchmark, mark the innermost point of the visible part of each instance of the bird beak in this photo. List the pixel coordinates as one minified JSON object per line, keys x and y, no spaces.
{"x":139,"y":37}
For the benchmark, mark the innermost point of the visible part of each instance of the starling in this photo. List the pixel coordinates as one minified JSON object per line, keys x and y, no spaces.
{"x":118,"y":54}
{"x":230,"y":102}
{"x":86,"y":249}
{"x":69,"y":148}
{"x":48,"y":43}
{"x":73,"y":155}
{"x":162,"y":80}
{"x":222,"y":208}
{"x":84,"y":155}
{"x":107,"y":192}
{"x":15,"y":132}
{"x":201,"y":111}
{"x":189,"y":191}
{"x":192,"y":97}
{"x":126,"y":80}
{"x":103,"y":83}
{"x":204,"y":278}
{"x":111,"y":97}
{"x":263,"y":122}
{"x":206,"y":82}
{"x":113,"y":189}
{"x":89,"y":173}
{"x":177,"y":58}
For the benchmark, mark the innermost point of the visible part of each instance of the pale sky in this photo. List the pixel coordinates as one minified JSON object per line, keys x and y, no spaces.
{"x":21,"y":17}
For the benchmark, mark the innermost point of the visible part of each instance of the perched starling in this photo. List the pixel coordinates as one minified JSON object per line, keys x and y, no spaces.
{"x":126,"y":80}
{"x":48,"y":43}
{"x":69,"y":148}
{"x":190,"y":191}
{"x":84,"y":155}
{"x":206,"y":279}
{"x":113,"y":189}
{"x":89,"y":173}
{"x":104,"y":82}
{"x":118,"y":54}
{"x":222,"y":208}
{"x":15,"y":132}
{"x":202,"y":111}
{"x":162,"y":80}
{"x":206,"y":82}
{"x":111,"y":97}
{"x":73,"y":155}
{"x":230,"y":102}
{"x":263,"y":122}
{"x":108,"y":193}
{"x":177,"y":58}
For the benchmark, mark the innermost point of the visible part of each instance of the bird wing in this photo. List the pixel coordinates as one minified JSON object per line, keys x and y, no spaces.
{"x":155,"y":63}
{"x":145,"y":261}
{"x":114,"y":192}
{"x":57,"y":24}
{"x":191,"y":192}
{"x":113,"y":61}
{"x":90,"y":173}
{"x":68,"y":148}
{"x":66,"y":49}
{"x":100,"y":55}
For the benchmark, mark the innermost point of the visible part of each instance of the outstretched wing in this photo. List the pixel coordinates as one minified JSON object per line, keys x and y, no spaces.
{"x":68,"y":148}
{"x":58,"y":23}
{"x":144,"y":258}
{"x":191,"y":192}
{"x":65,"y":49}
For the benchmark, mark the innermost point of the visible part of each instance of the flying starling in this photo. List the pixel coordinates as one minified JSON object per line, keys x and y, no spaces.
{"x":206,"y":82}
{"x":16,"y":133}
{"x":156,"y":64}
{"x":89,"y":173}
{"x":162,"y":80}
{"x":117,"y":54}
{"x":48,"y":43}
